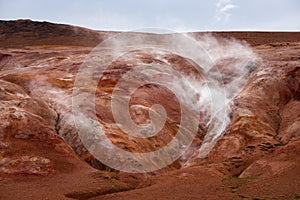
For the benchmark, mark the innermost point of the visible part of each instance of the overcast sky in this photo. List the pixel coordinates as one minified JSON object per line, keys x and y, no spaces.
{"x":177,"y":15}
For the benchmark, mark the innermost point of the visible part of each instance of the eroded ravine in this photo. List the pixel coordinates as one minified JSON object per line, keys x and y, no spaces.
{"x":36,"y":103}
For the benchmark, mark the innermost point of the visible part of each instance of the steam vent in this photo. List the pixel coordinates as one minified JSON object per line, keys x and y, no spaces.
{"x":88,"y":114}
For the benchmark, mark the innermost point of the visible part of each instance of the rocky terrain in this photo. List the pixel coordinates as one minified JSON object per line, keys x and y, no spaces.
{"x":42,"y":155}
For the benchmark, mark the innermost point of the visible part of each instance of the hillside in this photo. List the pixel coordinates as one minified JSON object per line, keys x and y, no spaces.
{"x":42,"y":155}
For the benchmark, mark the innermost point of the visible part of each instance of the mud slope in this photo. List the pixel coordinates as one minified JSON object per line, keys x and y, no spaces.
{"x":42,"y":156}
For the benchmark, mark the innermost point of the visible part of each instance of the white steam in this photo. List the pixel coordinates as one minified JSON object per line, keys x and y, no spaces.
{"x":225,"y":65}
{"x":233,"y":62}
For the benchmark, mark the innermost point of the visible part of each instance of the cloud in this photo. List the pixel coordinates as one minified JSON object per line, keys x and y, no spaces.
{"x":223,"y":8}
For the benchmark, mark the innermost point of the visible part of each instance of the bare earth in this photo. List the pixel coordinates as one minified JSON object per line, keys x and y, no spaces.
{"x":42,"y":157}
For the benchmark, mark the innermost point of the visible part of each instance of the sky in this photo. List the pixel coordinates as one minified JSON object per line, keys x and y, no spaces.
{"x":175,"y":15}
